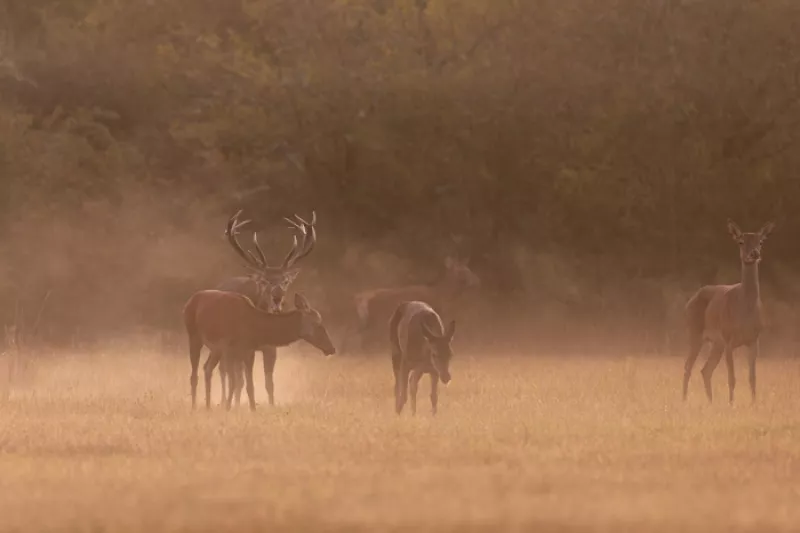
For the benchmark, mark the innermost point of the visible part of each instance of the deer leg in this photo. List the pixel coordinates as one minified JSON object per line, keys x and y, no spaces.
{"x":397,"y":358}
{"x":401,"y":393}
{"x":434,"y":392}
{"x":195,"y":347}
{"x":352,"y":330}
{"x":710,"y":366}
{"x":696,"y":344}
{"x":240,"y":364}
{"x":233,"y":376}
{"x":223,"y":377}
{"x":208,"y":370}
{"x":346,"y":337}
{"x":248,"y":375}
{"x":240,"y":380}
{"x":731,"y":372}
{"x":269,"y":355}
{"x":413,"y":383}
{"x":751,"y":360}
{"x":369,"y":338}
{"x":359,"y":332}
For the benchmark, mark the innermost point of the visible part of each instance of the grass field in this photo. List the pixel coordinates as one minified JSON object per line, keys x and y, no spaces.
{"x":109,"y":443}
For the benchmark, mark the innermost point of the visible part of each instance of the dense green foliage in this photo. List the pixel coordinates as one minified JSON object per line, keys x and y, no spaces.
{"x":585,"y":156}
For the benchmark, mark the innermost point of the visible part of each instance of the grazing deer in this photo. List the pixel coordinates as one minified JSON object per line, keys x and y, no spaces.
{"x":728,"y":316}
{"x":266,"y":287}
{"x":231,"y":325}
{"x":420,"y":345}
{"x":374,"y":307}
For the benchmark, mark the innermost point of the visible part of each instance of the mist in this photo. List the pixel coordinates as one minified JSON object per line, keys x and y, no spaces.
{"x":582,"y":159}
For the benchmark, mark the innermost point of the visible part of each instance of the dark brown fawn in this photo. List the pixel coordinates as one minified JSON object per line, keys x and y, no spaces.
{"x":728,"y":316}
{"x":231,"y":326}
{"x":420,"y":345}
{"x":374,"y":307}
{"x":266,"y":287}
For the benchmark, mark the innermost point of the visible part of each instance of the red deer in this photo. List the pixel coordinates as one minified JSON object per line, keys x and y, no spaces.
{"x":728,"y":316}
{"x":230,"y":325}
{"x":373,"y":307}
{"x":266,"y":287}
{"x":420,"y":345}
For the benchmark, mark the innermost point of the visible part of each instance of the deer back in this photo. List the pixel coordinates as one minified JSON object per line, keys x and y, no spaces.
{"x":378,"y":304}
{"x":221,"y":317}
{"x":409,"y":328}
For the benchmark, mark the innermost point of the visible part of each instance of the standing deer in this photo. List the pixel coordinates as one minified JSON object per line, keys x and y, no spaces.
{"x":728,"y":316}
{"x":231,"y":325}
{"x":420,"y":345}
{"x":266,"y":287}
{"x":373,"y":307}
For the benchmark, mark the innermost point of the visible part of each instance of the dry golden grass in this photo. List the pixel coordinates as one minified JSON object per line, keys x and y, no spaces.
{"x":109,"y":443}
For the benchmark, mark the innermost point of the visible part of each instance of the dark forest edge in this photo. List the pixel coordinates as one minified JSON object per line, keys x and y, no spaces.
{"x":585,"y":161}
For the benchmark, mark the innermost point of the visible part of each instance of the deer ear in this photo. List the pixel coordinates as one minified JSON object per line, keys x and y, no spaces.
{"x":300,"y":302}
{"x":734,"y":230}
{"x":451,"y":330}
{"x":766,"y":230}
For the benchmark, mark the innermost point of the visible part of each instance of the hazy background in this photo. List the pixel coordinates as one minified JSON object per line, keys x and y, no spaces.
{"x":585,"y":157}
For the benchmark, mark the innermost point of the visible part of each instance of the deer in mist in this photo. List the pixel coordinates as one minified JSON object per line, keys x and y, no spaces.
{"x":374,"y":307}
{"x":420,"y":345}
{"x":728,"y":316}
{"x":266,"y":287}
{"x":231,"y":325}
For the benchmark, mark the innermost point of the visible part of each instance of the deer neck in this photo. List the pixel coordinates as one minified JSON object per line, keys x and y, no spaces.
{"x":750,"y":285}
{"x":276,"y":329}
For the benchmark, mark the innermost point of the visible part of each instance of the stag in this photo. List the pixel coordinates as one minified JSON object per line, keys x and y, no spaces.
{"x":420,"y":345}
{"x":266,"y":286}
{"x":728,"y":316}
{"x":373,"y":307}
{"x":231,"y":325}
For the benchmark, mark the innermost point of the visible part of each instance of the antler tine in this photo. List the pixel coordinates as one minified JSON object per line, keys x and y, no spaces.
{"x":235,"y":229}
{"x":308,"y":243}
{"x":309,"y":237}
{"x":288,"y":260}
{"x":261,"y":255}
{"x":294,"y":224}
{"x":231,"y":230}
{"x":234,"y":224}
{"x":230,"y":226}
{"x":303,"y":222}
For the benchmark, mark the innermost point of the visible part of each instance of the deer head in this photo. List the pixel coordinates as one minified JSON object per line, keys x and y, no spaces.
{"x":441,"y":351}
{"x":273,"y":281}
{"x":312,"y":330}
{"x":460,"y":274}
{"x":750,"y":243}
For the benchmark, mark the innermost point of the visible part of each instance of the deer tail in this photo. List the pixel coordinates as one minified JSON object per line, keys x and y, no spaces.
{"x":394,"y":322}
{"x":696,"y":312}
{"x":190,"y":316}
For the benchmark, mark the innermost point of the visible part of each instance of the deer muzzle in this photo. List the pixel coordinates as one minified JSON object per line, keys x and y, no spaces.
{"x":325,"y":345}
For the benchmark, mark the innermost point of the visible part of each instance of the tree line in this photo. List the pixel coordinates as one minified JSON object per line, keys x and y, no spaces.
{"x":585,"y":158}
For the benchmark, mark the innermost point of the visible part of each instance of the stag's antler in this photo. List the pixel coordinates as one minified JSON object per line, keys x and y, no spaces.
{"x":258,"y":261}
{"x":309,"y":232}
{"x":231,"y":231}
